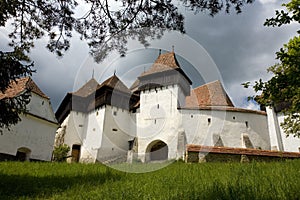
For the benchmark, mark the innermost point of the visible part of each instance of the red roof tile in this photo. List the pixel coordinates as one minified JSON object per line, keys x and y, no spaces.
{"x":20,"y":85}
{"x":210,"y":94}
{"x":225,"y":108}
{"x":240,"y":151}
{"x":164,"y":62}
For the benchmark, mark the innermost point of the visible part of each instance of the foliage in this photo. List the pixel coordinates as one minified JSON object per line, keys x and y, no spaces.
{"x":275,"y":180}
{"x":60,"y":153}
{"x":286,"y":17}
{"x":283,"y":89}
{"x":12,"y":68}
{"x":105,"y":25}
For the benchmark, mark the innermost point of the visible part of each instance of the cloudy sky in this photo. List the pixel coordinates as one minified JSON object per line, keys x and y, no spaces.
{"x":232,"y":48}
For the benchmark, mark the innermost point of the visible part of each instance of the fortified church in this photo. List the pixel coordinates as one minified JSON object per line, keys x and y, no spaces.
{"x":157,"y":117}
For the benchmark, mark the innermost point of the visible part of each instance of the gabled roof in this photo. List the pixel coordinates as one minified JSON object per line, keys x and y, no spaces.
{"x":114,"y":83}
{"x":134,"y":87}
{"x":20,"y":85}
{"x":210,"y":94}
{"x":164,"y":62}
{"x":87,"y":89}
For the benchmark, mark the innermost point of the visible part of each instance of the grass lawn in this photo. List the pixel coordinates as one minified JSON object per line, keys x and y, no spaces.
{"x":274,"y":180}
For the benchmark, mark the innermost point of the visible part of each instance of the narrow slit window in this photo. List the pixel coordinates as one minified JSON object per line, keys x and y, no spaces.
{"x":246,"y":123}
{"x":209,"y":121}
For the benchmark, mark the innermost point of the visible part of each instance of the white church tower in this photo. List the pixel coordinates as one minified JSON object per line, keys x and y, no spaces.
{"x":163,"y":89}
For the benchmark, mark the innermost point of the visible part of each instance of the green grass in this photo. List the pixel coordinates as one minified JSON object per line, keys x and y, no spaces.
{"x":277,"y":180}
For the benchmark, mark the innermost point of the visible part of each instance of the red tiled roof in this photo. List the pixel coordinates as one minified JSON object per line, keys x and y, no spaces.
{"x":87,"y":89}
{"x":225,"y":108}
{"x":164,"y":62}
{"x":20,"y":85}
{"x":210,"y":94}
{"x":241,"y":151}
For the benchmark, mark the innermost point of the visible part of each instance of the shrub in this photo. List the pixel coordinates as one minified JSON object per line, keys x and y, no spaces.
{"x":60,"y":153}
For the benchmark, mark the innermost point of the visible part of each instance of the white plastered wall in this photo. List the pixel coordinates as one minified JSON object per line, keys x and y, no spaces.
{"x":202,"y":125}
{"x":290,"y":143}
{"x":118,"y":129}
{"x":32,"y":132}
{"x":159,"y":119}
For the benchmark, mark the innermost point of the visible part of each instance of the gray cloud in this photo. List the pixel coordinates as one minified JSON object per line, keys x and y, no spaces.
{"x":240,"y":45}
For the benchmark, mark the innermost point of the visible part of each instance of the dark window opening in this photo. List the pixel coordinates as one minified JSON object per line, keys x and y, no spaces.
{"x":209,"y":121}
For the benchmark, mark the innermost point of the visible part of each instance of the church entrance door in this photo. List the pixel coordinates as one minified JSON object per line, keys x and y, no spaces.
{"x":157,"y":151}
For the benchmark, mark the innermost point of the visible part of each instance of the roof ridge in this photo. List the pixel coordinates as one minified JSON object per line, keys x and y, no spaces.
{"x":87,"y":89}
{"x":32,"y":86}
{"x":164,"y":62}
{"x":211,"y":82}
{"x":210,"y":94}
{"x":115,"y":82}
{"x":19,"y":85}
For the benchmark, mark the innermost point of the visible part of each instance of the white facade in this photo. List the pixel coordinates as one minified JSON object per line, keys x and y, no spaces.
{"x":103,"y":134}
{"x":163,"y":119}
{"x":159,"y":119}
{"x":278,"y":138}
{"x":34,"y":134}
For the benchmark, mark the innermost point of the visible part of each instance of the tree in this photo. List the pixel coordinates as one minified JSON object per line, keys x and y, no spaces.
{"x":283,"y":89}
{"x":106,"y":26}
{"x":11,"y":69}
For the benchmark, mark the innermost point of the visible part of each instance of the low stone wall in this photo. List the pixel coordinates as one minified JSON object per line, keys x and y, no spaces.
{"x":7,"y":157}
{"x":197,"y":153}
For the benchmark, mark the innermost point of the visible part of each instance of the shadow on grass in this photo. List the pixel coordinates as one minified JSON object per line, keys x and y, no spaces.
{"x":28,"y":186}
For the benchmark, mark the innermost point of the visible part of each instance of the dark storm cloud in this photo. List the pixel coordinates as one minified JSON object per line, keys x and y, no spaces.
{"x":240,"y":45}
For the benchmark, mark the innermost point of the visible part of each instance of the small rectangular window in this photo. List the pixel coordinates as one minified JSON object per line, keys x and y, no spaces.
{"x":115,"y":113}
{"x":246,"y":123}
{"x":209,"y":121}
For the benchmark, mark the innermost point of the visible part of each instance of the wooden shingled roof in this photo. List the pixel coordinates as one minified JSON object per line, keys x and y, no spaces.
{"x":164,"y":62}
{"x":115,"y":83}
{"x":19,"y":86}
{"x":87,"y":89}
{"x":210,"y":94}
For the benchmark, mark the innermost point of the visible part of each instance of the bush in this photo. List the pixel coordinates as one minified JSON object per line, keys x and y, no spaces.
{"x":60,"y":153}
